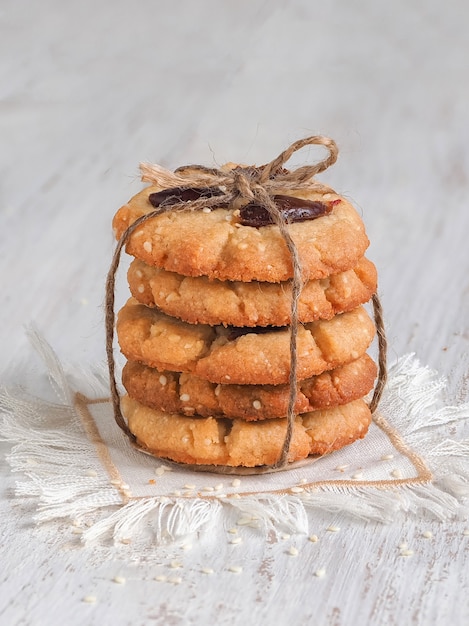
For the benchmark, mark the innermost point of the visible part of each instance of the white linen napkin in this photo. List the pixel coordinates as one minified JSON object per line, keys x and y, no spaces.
{"x":77,"y":464}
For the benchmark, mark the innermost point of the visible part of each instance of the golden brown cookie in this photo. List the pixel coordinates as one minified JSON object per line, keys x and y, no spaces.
{"x":237,"y":443}
{"x":189,"y":395}
{"x":217,"y":245}
{"x":199,"y":300}
{"x":216,"y":354}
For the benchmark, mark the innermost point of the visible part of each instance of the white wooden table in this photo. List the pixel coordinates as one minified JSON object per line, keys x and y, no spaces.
{"x":90,"y":89}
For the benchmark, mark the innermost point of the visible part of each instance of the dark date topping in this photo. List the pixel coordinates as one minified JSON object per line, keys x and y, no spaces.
{"x":167,"y":197}
{"x":233,"y":332}
{"x":292,"y":209}
{"x":252,"y":214}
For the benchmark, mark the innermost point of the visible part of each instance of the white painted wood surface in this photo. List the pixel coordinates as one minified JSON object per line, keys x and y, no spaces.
{"x":89,"y":89}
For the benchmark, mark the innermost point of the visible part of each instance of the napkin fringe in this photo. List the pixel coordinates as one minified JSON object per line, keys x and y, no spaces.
{"x":64,"y":476}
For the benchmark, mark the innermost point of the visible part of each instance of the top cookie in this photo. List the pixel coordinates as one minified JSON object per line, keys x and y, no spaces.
{"x":214,"y":243}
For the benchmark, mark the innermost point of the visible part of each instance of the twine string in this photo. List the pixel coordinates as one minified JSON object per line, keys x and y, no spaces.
{"x":239,"y":186}
{"x":382,"y":353}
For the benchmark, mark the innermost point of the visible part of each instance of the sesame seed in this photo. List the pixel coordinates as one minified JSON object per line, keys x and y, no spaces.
{"x":77,"y":531}
{"x":175,"y":580}
{"x":206,"y":209}
{"x":207,"y":441}
{"x":396,"y":473}
{"x":333,"y":529}
{"x":185,"y":397}
{"x":242,"y":246}
{"x":403,"y":546}
{"x":303,"y":481}
{"x":256,"y":404}
{"x":161,"y":578}
{"x":235,"y":569}
{"x":120,"y":580}
{"x":236,"y":482}
{"x":189,"y":486}
{"x":341,"y":468}
{"x":407,"y":552}
{"x":159,"y":471}
{"x":292,"y":551}
{"x":141,"y":288}
{"x":90,"y":599}
{"x":233,"y":531}
{"x":387,"y":457}
{"x":465,"y":532}
{"x":173,"y":338}
{"x":244,"y":521}
{"x":236,"y":541}
{"x":126,"y":541}
{"x":427,"y":534}
{"x":297,"y":489}
{"x":217,"y":390}
{"x":218,"y":487}
{"x":284,"y":536}
{"x":139,"y":273}
{"x":313,"y":538}
{"x":175,"y":564}
{"x":147,"y":246}
{"x":320,"y":573}
{"x":357,"y":475}
{"x":186,"y":547}
{"x":91,"y":473}
{"x":206,"y":570}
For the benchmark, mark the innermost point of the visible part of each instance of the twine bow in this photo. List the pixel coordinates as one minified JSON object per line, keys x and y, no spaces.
{"x":237,"y":187}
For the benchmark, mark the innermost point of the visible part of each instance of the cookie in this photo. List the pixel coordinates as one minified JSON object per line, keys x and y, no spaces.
{"x":237,"y":443}
{"x":214,"y":243}
{"x":189,"y":395}
{"x":199,"y":300}
{"x":226,"y":355}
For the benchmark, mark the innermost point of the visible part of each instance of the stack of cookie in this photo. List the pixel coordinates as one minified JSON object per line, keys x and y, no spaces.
{"x":206,"y":333}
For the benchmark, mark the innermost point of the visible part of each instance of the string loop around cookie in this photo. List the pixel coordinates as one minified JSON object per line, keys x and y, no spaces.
{"x":240,"y":185}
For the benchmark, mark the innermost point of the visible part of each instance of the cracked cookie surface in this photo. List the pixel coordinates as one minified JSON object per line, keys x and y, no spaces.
{"x":238,"y":443}
{"x":199,"y":300}
{"x":187,"y":394}
{"x":217,"y":245}
{"x":149,"y":336}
